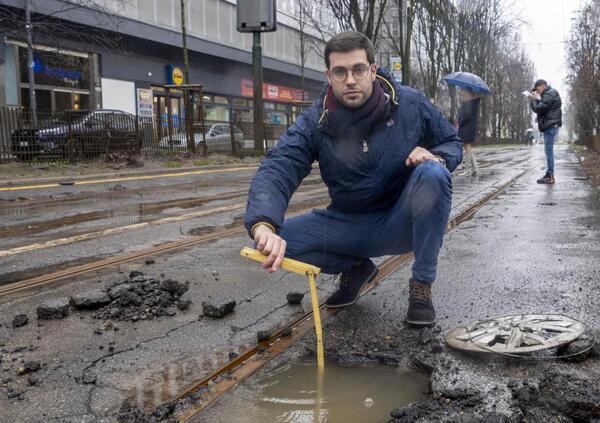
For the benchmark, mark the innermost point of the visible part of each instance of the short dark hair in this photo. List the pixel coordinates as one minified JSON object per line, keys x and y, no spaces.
{"x":345,"y":42}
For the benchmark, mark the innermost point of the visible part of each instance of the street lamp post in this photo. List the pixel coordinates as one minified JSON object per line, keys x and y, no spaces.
{"x":30,"y":73}
{"x":259,"y":128}
{"x":191,"y":145}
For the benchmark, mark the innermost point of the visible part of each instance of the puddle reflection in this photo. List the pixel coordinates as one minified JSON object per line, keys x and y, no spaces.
{"x":299,"y":393}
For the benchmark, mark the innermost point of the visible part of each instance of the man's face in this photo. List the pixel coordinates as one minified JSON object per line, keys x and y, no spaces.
{"x":540,"y":89}
{"x":355,"y":88}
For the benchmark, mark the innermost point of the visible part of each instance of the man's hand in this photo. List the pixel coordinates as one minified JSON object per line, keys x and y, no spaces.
{"x":271,"y":244}
{"x":418,"y":156}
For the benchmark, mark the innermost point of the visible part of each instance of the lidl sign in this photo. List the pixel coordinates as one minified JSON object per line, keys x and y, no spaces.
{"x":174,"y":75}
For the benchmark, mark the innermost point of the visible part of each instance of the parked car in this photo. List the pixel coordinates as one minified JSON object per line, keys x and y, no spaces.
{"x":218,"y":139}
{"x":78,"y":135}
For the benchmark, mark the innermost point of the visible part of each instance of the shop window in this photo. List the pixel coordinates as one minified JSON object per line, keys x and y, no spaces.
{"x":56,"y":69}
{"x":62,"y":101}
{"x":216,"y":113}
{"x":276,"y":118}
{"x":81,"y":101}
{"x":239,"y":102}
{"x":43,"y":100}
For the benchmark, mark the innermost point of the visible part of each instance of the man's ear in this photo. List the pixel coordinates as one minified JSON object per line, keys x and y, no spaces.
{"x":373,"y":72}
{"x":328,"y":75}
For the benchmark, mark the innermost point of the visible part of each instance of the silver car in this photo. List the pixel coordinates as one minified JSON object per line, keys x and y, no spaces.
{"x":218,"y":139}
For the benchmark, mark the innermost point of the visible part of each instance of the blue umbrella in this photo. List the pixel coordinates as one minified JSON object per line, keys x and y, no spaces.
{"x":468,"y":80}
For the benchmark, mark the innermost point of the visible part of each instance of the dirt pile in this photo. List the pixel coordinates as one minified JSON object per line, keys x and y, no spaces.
{"x":142,"y":298}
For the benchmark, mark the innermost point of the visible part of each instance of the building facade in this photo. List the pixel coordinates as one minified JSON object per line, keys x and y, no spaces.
{"x":76,"y":73}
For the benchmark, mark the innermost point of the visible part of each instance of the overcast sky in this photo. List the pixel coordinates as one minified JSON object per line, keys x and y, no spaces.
{"x":547,"y":26}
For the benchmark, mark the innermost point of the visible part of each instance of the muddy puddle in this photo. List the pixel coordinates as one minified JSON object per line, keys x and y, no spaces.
{"x":297,"y":392}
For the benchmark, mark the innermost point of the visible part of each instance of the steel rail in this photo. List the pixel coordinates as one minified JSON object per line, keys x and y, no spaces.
{"x":70,"y":272}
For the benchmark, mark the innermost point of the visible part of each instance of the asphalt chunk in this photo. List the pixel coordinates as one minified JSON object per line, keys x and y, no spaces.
{"x":263,"y":335}
{"x":90,"y":300}
{"x":218,"y":310}
{"x":294,"y":297}
{"x":57,"y":308}
{"x":20,"y":320}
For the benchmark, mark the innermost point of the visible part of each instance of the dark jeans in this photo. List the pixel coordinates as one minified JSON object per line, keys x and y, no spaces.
{"x":333,"y":240}
{"x":549,"y":138}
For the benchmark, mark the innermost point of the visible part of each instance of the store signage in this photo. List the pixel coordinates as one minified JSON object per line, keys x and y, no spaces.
{"x":68,"y":76}
{"x":273,"y":92}
{"x":396,"y":67}
{"x":144,"y":102}
{"x":174,"y":75}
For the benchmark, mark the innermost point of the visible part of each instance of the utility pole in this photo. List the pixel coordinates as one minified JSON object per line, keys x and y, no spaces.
{"x":30,"y":73}
{"x":186,"y":78}
{"x":257,"y":71}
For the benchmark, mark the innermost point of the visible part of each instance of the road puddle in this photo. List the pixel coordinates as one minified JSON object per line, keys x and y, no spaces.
{"x":298,"y":392}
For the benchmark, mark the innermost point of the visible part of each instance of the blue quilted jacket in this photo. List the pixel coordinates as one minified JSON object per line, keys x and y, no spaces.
{"x":357,"y":181}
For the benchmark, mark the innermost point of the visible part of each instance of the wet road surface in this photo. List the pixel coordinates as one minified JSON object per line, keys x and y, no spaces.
{"x":516,"y":254}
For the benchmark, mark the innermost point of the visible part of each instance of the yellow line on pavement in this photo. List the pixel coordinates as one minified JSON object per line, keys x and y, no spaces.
{"x":128,"y":178}
{"x":113,"y":231}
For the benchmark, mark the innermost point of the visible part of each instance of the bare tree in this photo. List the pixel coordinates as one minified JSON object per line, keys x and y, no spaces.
{"x":366,"y":16}
{"x":584,"y":71}
{"x":34,"y":24}
{"x":400,"y":42}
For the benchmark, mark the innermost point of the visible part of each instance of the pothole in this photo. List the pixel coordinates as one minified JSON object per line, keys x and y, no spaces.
{"x":298,"y":392}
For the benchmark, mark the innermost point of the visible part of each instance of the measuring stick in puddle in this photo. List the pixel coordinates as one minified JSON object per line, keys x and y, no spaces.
{"x":309,"y":271}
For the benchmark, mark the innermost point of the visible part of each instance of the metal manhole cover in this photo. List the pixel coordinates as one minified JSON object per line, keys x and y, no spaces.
{"x":520,"y":333}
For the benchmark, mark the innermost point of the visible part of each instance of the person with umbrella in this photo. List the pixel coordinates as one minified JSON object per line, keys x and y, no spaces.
{"x":467,"y":125}
{"x":471,"y":87}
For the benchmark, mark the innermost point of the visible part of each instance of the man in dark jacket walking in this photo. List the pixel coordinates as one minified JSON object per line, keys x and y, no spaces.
{"x":547,"y":105}
{"x":385,"y":154}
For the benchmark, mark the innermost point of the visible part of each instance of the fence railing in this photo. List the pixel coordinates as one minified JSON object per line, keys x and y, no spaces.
{"x":88,"y":135}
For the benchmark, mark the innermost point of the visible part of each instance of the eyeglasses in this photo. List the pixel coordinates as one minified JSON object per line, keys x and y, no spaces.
{"x":358,"y":72}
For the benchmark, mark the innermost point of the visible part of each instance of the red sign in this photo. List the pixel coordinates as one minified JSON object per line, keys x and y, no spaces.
{"x":273,"y":92}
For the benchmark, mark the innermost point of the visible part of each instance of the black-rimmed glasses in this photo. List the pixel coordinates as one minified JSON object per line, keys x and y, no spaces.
{"x":359,"y":72}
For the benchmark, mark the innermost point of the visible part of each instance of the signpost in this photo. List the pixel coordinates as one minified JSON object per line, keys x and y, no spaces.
{"x":257,"y":16}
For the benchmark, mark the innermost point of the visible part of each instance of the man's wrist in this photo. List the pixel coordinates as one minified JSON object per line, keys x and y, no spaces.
{"x":440,"y":160}
{"x":266,"y":224}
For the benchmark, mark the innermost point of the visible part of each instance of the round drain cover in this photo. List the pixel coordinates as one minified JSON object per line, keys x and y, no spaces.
{"x":520,"y":333}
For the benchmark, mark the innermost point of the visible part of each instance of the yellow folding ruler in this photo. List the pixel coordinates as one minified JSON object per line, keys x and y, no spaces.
{"x":302,"y":269}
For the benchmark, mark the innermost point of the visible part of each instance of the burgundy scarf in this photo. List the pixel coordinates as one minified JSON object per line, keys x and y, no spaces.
{"x":355,"y":123}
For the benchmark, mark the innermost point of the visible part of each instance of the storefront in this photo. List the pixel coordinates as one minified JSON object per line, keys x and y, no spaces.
{"x":63,"y":79}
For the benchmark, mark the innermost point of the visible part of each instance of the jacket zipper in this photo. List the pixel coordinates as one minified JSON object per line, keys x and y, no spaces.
{"x":365,"y":146}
